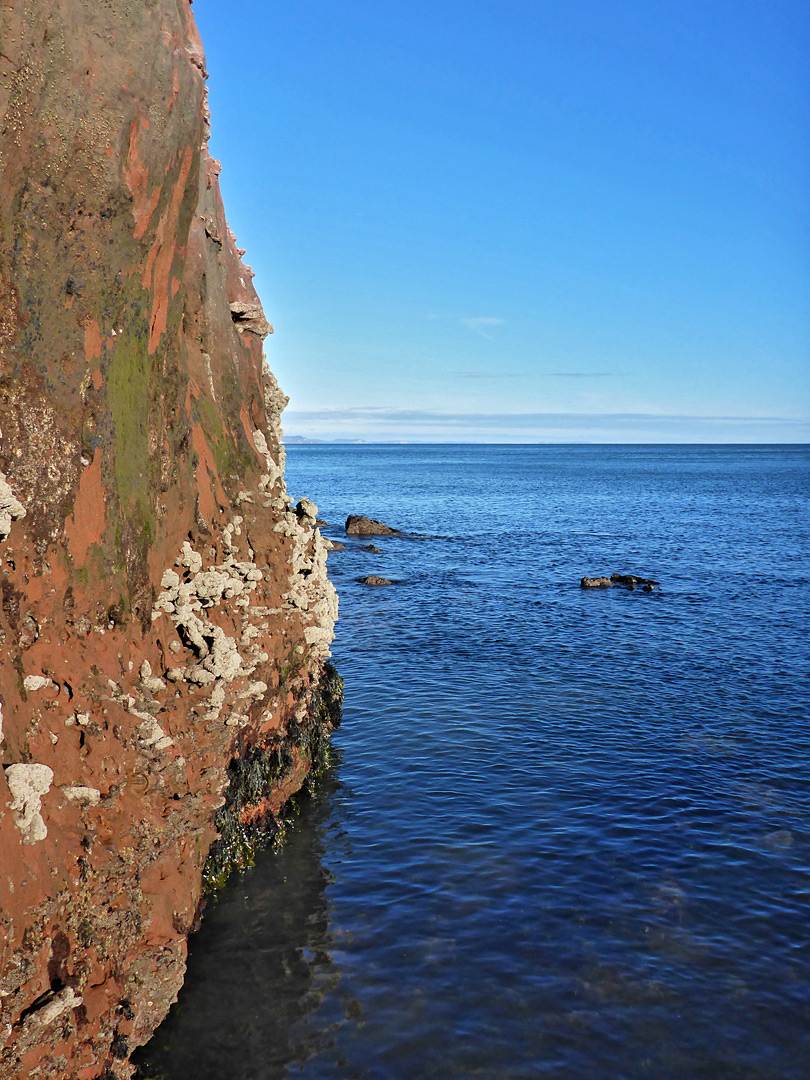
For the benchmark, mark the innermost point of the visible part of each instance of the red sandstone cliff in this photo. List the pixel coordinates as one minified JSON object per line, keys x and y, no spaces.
{"x":165,"y":612}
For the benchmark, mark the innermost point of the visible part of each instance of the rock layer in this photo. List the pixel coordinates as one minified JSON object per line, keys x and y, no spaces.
{"x":166,"y":614}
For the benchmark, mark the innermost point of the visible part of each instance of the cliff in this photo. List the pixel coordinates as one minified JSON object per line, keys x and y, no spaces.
{"x":166,"y":615}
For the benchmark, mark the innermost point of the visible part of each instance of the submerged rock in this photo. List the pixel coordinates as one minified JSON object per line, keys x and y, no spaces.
{"x":358,"y":525}
{"x":372,"y":549}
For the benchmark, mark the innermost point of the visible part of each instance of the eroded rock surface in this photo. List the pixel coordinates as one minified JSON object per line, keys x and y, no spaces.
{"x":166,"y":615}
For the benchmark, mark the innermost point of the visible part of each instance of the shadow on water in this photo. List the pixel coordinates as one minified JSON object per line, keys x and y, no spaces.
{"x":257,"y":968}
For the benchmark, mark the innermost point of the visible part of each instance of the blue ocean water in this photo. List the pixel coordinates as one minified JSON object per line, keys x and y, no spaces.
{"x":568,"y":834}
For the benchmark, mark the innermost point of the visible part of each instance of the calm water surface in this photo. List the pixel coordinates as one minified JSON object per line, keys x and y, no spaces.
{"x":568,"y":834}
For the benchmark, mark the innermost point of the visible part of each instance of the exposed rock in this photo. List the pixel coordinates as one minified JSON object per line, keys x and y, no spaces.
{"x":595,"y":583}
{"x":357,"y":525}
{"x":307,"y":510}
{"x":249,"y":316}
{"x":334,"y":545}
{"x":621,"y":581}
{"x":629,"y":581}
{"x":166,"y":615}
{"x":372,"y":549}
{"x":374,"y":579}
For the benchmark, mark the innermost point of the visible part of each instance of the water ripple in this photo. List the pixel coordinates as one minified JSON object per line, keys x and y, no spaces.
{"x":569,"y":836}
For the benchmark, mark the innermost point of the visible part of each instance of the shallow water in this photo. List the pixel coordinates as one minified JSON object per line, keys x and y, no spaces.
{"x":569,"y":832}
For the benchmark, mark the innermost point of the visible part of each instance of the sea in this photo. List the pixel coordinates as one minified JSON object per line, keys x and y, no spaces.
{"x":566,"y":832}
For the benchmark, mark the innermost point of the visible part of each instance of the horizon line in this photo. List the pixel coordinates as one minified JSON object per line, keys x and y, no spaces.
{"x":304,"y":440}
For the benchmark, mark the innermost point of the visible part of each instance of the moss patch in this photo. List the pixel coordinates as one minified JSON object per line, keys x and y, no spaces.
{"x":232,"y":455}
{"x":128,"y":392}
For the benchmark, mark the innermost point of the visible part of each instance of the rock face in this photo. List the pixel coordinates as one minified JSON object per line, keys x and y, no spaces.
{"x":166,"y":615}
{"x":357,"y":525}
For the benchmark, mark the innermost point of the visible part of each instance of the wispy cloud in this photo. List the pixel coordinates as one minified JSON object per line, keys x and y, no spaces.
{"x":534,"y":374}
{"x":574,"y":374}
{"x":488,"y":375}
{"x":481,"y":324}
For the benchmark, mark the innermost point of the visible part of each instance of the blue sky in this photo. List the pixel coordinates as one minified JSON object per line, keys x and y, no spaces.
{"x":524,"y":220}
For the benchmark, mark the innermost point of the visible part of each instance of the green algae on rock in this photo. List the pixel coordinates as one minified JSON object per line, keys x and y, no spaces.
{"x":252,"y":816}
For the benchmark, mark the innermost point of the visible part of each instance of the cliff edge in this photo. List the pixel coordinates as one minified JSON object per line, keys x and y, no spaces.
{"x":166,"y":616}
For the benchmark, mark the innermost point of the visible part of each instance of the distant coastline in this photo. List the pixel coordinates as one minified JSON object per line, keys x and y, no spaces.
{"x":302,"y":440}
{"x":294,"y":440}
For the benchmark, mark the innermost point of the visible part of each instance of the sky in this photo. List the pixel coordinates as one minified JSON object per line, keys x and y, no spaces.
{"x":523,"y":220}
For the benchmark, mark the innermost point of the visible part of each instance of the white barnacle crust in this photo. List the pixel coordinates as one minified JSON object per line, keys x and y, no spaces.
{"x":149,"y":681}
{"x":222,"y":669}
{"x":37,"y":682}
{"x":311,"y":591}
{"x":64,"y":999}
{"x":90,"y":796}
{"x":27,"y":784}
{"x":11,"y":509}
{"x":152,"y":734}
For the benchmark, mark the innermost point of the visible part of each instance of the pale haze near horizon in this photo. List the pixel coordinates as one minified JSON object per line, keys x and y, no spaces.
{"x":580,"y":222}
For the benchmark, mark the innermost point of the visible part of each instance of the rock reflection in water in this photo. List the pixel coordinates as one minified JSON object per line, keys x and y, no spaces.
{"x":259,"y":966}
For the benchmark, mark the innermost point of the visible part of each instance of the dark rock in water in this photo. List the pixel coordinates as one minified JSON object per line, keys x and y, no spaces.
{"x":357,"y":525}
{"x":619,"y":581}
{"x":321,"y":523}
{"x":334,"y":545}
{"x":374,"y":550}
{"x":374,"y":579}
{"x":629,"y":581}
